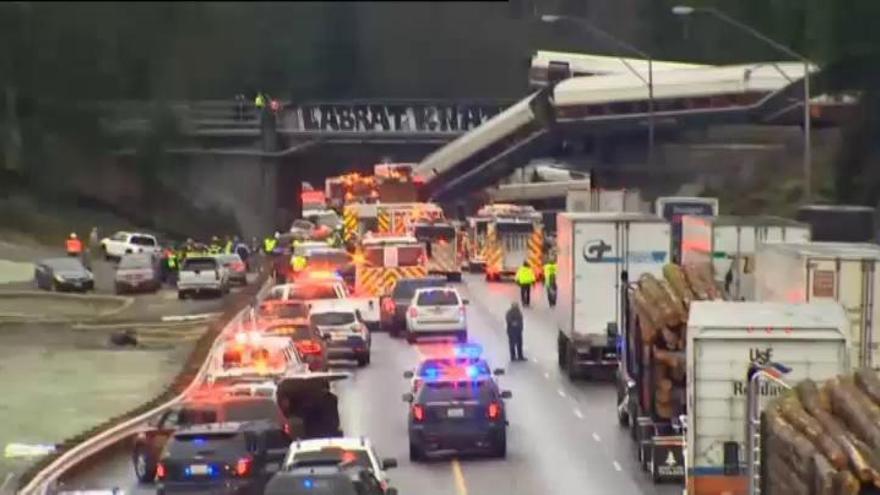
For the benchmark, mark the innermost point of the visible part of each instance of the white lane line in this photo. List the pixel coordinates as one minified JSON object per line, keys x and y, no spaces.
{"x":596,"y":437}
{"x":203,"y":316}
{"x":617,"y":466}
{"x":546,"y":375}
{"x":578,"y":413}
{"x":561,"y":393}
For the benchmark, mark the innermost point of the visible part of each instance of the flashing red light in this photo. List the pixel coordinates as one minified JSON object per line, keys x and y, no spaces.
{"x":418,"y":412}
{"x":413,"y":312}
{"x":286,"y":428}
{"x":243,"y":466}
{"x":161,"y":472}
{"x":348,"y":457}
{"x":308,"y":347}
{"x":388,"y":305}
{"x":494,"y":411}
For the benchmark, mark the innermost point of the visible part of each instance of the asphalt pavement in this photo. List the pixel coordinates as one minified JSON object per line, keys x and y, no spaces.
{"x":563,"y":436}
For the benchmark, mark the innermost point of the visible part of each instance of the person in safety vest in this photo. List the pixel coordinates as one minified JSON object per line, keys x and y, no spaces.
{"x":260,"y":102}
{"x":73,"y":245}
{"x":227,"y":247}
{"x":298,"y":263}
{"x":269,"y":244}
{"x":171,"y":263}
{"x":550,"y":282}
{"x":525,"y":278}
{"x":215,"y":247}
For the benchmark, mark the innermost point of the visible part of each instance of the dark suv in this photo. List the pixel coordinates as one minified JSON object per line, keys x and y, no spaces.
{"x":393,"y":308}
{"x":217,"y":458}
{"x":461,"y":415}
{"x":150,"y":441}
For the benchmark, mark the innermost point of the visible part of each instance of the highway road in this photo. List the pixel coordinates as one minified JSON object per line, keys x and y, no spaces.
{"x":563,"y":436}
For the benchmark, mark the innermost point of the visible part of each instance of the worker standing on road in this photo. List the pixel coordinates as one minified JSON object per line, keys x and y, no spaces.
{"x":260,"y":102}
{"x":227,"y":248}
{"x":215,"y":247}
{"x":525,"y":278}
{"x":514,"y":319}
{"x":94,"y":241}
{"x":550,"y":282}
{"x":170,"y":266}
{"x":74,"y":245}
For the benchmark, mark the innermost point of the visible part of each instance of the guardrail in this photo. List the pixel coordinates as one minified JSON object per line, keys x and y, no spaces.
{"x":41,"y":482}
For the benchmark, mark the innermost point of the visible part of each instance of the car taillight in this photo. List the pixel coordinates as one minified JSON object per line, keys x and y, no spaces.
{"x":238,"y":266}
{"x":388,"y":305}
{"x":418,"y":412}
{"x":286,"y":428}
{"x":413,"y":312}
{"x":308,"y":347}
{"x":161,"y":472}
{"x":494,"y":411}
{"x":243,"y":466}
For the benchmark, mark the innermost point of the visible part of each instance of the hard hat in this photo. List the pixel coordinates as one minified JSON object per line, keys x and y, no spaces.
{"x":277,"y":234}
{"x":73,"y":235}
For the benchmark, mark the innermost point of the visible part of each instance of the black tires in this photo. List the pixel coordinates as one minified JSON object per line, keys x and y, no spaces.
{"x":363,"y":360}
{"x":499,"y":449}
{"x":415,"y":453}
{"x":144,"y":465}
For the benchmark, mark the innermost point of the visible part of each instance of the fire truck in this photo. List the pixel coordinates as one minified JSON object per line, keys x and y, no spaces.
{"x":440,"y":238}
{"x":390,"y":183}
{"x":383,"y":259}
{"x":504,"y":236}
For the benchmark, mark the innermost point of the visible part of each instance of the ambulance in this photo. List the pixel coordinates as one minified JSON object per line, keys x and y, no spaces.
{"x":382,"y":259}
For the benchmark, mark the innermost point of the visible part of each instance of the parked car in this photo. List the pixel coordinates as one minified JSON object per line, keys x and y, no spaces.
{"x":63,"y":274}
{"x":137,"y":272}
{"x":236,"y":268}
{"x":122,"y":243}
{"x":393,"y":313}
{"x":202,"y":274}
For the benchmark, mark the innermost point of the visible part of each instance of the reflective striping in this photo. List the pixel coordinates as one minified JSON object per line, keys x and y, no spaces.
{"x":383,"y":219}
{"x":378,"y":281}
{"x":349,"y":223}
{"x":444,"y":259}
{"x":535,"y":254}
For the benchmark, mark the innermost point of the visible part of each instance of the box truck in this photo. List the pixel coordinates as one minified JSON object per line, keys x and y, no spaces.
{"x":611,"y":200}
{"x":827,"y":271}
{"x":729,"y":243}
{"x":672,"y":208}
{"x":725,"y":339}
{"x":594,"y":252}
{"x":840,"y":223}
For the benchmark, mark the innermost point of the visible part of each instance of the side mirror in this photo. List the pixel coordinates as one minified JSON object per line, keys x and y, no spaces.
{"x":465,"y":301}
{"x":408,"y":397}
{"x":506,"y":394}
{"x":498,"y":371}
{"x":358,"y":314}
{"x":389,"y":463}
{"x":408,"y":374}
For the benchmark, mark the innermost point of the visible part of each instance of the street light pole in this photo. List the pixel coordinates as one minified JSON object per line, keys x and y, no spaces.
{"x":551,"y":18}
{"x":684,"y":10}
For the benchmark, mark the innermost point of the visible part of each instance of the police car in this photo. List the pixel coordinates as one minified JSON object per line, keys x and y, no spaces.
{"x":443,"y":361}
{"x":334,"y":451}
{"x":459,"y":410}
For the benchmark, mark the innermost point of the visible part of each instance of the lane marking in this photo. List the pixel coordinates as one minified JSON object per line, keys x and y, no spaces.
{"x":596,"y":437}
{"x":617,"y":466}
{"x":202,"y":316}
{"x":561,"y":393}
{"x":460,"y":486}
{"x":578,"y":413}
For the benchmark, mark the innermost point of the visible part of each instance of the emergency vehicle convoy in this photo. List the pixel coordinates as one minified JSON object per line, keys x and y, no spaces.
{"x":503,"y":237}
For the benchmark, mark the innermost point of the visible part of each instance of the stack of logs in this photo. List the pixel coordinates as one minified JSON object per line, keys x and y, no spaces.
{"x":824,"y":439}
{"x":662,"y":310}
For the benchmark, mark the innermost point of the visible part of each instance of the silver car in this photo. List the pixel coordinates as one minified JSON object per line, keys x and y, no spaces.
{"x":137,"y":272}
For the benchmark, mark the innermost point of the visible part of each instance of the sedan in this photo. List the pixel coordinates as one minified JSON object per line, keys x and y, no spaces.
{"x":235,"y":266}
{"x":137,"y":272}
{"x":63,"y":274}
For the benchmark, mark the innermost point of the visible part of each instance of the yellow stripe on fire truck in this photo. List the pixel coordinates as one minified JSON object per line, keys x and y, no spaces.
{"x":536,"y":249}
{"x":492,"y":253}
{"x":349,"y":223}
{"x":444,"y":259}
{"x":383,"y":219}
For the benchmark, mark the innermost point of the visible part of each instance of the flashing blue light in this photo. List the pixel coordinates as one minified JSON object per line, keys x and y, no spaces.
{"x":198,"y":440}
{"x":472,"y":351}
{"x":308,"y":484}
{"x":431,"y":373}
{"x":473,"y":371}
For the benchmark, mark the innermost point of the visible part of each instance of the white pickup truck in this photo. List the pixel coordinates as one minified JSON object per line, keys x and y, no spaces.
{"x":324,"y":292}
{"x":202,"y":274}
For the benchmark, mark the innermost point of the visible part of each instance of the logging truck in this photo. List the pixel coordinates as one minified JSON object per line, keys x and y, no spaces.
{"x":725,"y":341}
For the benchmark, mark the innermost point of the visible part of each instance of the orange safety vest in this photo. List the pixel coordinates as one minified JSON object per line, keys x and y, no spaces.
{"x":74,"y":246}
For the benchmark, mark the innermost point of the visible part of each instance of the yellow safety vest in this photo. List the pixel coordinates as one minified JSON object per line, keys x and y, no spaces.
{"x":525,"y":276}
{"x":269,"y":244}
{"x":298,"y":263}
{"x":550,"y":272}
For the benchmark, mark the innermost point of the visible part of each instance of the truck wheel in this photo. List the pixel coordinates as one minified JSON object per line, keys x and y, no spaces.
{"x":561,"y":351}
{"x":362,"y":361}
{"x":500,"y":447}
{"x":144,"y":467}
{"x":622,"y":414}
{"x":571,"y":364}
{"x":181,"y":295}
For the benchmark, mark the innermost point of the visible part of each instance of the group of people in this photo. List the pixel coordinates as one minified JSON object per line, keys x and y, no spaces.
{"x":525,"y":278}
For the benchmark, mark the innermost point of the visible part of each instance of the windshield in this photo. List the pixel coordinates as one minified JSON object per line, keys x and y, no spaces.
{"x":135,"y":262}
{"x":200,"y":264}
{"x":514,"y":227}
{"x":435,"y":233}
{"x":331,"y":456}
{"x":284,"y":310}
{"x":443,"y":391}
{"x":437,"y":298}
{"x":406,"y":289}
{"x":139,"y":240}
{"x":66,"y":264}
{"x":333,"y":319}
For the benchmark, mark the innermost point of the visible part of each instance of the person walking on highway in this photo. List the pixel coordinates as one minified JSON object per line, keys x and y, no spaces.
{"x":73,"y":245}
{"x":260,"y":102}
{"x":525,"y":278}
{"x":550,"y":282}
{"x":514,"y":319}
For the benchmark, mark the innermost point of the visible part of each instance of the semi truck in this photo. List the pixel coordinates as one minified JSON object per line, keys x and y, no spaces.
{"x":725,"y":342}
{"x":672,"y":208}
{"x":827,"y":271}
{"x":730,"y":242}
{"x":594,"y":253}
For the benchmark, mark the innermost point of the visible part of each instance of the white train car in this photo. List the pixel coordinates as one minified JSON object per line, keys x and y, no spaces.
{"x":570,"y":64}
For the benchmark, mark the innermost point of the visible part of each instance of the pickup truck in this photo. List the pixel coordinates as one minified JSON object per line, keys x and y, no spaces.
{"x":202,"y":274}
{"x":122,"y":243}
{"x":316,"y":292}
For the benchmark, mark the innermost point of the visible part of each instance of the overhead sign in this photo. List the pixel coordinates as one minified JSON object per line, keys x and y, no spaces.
{"x":393,"y":118}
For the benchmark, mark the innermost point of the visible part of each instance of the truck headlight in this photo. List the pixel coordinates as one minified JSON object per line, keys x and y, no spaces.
{"x":59,"y":278}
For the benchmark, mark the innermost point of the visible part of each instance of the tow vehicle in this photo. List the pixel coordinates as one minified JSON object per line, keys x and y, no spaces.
{"x":346,"y":450}
{"x":457,"y":412}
